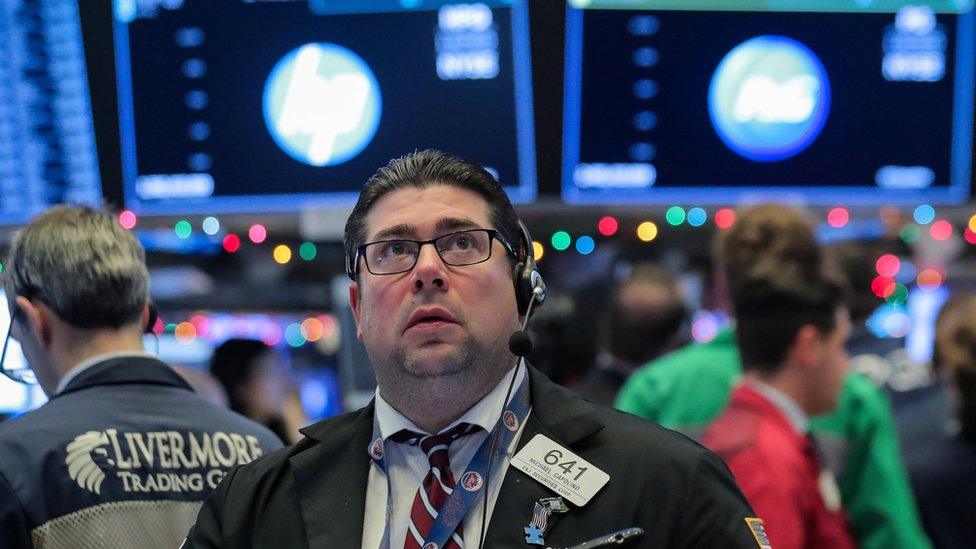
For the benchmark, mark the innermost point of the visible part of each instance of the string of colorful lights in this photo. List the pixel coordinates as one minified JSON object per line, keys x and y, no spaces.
{"x":607,"y":226}
{"x":894,"y":275}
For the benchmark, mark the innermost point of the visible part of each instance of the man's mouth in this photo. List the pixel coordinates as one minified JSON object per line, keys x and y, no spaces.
{"x":430,"y":317}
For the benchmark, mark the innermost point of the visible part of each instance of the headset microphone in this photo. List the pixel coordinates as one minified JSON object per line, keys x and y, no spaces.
{"x":151,"y":318}
{"x":150,"y":328}
{"x":530,"y":290}
{"x":520,"y":343}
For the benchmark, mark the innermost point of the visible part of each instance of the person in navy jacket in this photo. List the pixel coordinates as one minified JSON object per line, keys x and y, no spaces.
{"x":124,"y":452}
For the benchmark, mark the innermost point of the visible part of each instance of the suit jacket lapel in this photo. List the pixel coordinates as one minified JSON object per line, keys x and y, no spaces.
{"x":331,"y":479}
{"x":558,"y":414}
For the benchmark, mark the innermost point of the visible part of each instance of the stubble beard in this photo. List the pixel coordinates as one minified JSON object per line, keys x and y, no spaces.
{"x":418,"y":387}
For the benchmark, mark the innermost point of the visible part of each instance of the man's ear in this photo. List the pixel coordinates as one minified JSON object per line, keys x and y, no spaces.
{"x":808,"y":346}
{"x":356,"y":311}
{"x":39,"y":319}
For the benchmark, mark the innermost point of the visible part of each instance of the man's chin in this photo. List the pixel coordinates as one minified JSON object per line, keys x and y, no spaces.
{"x":434,"y":361}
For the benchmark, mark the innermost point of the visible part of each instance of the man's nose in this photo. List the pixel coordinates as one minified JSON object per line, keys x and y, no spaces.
{"x":429,"y":272}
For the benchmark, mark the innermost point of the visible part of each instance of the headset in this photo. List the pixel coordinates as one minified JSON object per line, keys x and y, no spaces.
{"x":149,"y":328}
{"x":530,"y":289}
{"x":151,"y":320}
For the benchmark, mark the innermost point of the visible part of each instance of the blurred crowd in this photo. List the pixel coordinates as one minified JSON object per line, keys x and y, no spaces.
{"x":834,"y":433}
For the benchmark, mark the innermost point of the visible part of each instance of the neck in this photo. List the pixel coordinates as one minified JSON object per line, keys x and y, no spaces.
{"x":76,"y":346}
{"x":788,"y":384}
{"x":434,"y":403}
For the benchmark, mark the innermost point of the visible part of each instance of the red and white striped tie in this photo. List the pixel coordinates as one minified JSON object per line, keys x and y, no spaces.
{"x":436,"y":487}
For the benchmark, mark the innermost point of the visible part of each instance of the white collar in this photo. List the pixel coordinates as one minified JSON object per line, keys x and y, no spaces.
{"x":88,"y":363}
{"x":484,"y":414}
{"x":794,"y":414}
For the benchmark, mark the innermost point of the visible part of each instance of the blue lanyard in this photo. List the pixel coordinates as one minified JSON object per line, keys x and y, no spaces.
{"x":470,"y":483}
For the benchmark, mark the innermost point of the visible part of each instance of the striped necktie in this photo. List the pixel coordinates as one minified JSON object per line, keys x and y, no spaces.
{"x":436,"y":486}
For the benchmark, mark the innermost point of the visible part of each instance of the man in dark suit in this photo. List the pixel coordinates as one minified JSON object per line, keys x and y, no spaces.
{"x":463,"y":445}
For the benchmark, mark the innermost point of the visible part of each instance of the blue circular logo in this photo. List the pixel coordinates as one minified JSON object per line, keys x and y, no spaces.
{"x":769,"y":98}
{"x":322,"y":104}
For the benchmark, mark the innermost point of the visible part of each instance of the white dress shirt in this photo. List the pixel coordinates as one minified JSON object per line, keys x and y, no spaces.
{"x":408,"y":465}
{"x":789,"y":408}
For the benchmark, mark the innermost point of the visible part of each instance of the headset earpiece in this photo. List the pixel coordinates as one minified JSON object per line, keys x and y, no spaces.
{"x":151,"y":320}
{"x":527,"y":276}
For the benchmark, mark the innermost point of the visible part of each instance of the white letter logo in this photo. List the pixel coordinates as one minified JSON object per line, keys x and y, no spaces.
{"x":769,"y":98}
{"x":322,"y":104}
{"x":763,"y":100}
{"x":321,"y":107}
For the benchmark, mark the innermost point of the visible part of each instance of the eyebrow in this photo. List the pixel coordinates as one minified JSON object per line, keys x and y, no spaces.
{"x":456,"y":224}
{"x":396,"y":231}
{"x":404,"y":230}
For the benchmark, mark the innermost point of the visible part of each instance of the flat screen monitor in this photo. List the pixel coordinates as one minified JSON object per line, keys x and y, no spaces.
{"x":47,"y":138}
{"x":724,"y":101}
{"x":235,"y":106}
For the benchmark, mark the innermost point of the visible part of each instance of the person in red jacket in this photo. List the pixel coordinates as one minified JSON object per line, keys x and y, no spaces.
{"x":791,"y":327}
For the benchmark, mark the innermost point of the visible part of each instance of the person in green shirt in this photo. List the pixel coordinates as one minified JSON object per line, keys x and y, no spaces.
{"x":687,"y":389}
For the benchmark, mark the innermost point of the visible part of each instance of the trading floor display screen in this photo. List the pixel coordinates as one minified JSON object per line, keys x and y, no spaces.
{"x":47,"y":139}
{"x":720,"y":101}
{"x":236,"y":105}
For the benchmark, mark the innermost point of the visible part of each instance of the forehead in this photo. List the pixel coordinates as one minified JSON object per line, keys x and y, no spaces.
{"x":420,"y":209}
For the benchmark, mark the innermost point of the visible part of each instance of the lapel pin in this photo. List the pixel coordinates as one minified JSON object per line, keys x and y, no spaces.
{"x":535,"y":532}
{"x":376,"y":449}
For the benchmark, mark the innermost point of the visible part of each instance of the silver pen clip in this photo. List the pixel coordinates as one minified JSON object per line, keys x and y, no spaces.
{"x":619,"y":537}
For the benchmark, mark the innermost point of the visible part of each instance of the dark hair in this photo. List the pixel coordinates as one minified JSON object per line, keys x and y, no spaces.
{"x":82,"y":264}
{"x":779,"y":280}
{"x":770,"y":311}
{"x":233,"y":364}
{"x":638,"y":331}
{"x":775,"y":233}
{"x":425,"y":169}
{"x":954,"y":353}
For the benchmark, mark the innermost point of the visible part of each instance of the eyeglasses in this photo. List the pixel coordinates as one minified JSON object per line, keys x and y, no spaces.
{"x":458,"y":249}
{"x":22,"y":374}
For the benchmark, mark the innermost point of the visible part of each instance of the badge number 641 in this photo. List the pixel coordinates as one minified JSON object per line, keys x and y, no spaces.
{"x":553,"y":457}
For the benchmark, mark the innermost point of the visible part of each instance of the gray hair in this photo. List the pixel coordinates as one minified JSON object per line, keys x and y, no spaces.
{"x":82,"y":264}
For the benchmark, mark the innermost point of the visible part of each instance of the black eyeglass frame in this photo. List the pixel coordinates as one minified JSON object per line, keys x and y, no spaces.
{"x":13,"y":375}
{"x":29,"y":291}
{"x":493,"y":234}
